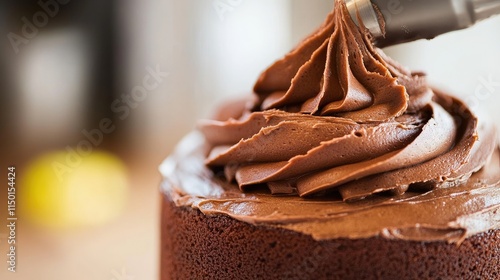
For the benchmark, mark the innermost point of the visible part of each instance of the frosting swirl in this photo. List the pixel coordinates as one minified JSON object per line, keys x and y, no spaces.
{"x":445,"y":214}
{"x":337,"y":115}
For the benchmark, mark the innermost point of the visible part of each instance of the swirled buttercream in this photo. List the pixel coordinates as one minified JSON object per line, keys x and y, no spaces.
{"x":336,"y":120}
{"x":337,"y":115}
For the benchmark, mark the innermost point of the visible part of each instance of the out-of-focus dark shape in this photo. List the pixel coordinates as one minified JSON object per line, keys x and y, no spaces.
{"x":57,"y":68}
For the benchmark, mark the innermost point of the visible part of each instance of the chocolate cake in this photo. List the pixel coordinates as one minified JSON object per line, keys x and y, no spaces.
{"x":345,"y":165}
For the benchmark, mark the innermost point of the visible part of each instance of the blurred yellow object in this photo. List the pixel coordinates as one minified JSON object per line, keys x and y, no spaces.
{"x":59,"y":191}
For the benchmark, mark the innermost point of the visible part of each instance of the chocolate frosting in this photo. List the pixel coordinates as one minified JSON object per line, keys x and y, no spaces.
{"x":446,"y":214}
{"x":336,"y":115}
{"x":349,"y":143}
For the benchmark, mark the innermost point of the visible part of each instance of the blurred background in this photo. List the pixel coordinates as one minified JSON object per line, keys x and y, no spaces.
{"x":95,"y":94}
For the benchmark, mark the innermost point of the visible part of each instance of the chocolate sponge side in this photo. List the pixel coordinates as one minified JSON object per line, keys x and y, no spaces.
{"x":196,"y":246}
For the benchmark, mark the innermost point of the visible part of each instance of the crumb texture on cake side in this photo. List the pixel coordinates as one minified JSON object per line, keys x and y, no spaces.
{"x":197,"y":246}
